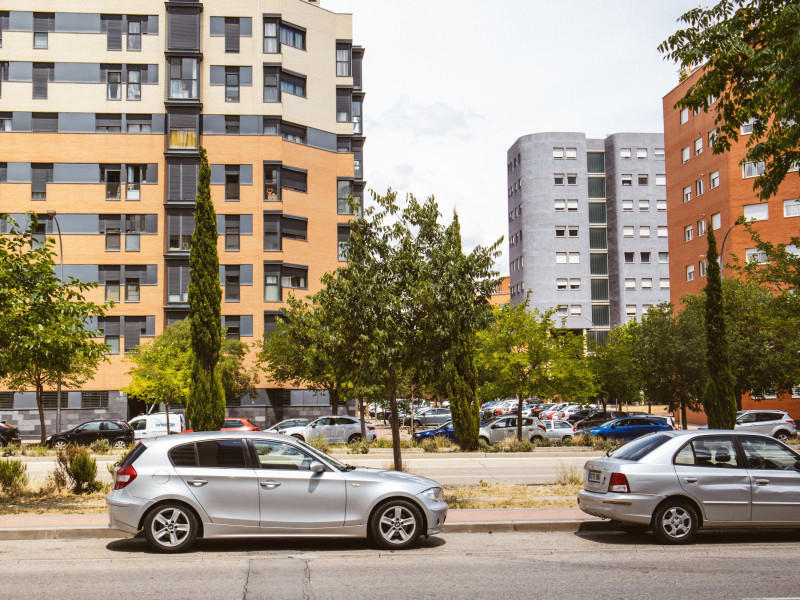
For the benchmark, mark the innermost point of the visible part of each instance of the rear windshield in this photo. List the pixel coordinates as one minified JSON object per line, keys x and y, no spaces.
{"x":641,"y":447}
{"x":133,"y":454}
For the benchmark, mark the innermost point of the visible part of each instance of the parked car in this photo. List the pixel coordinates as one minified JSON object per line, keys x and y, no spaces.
{"x":332,"y":429}
{"x":668,"y":419}
{"x":238,"y":424}
{"x":553,"y":411}
{"x":598,"y":418}
{"x":540,"y":410}
{"x":558,"y":430}
{"x":776,"y":423}
{"x":627,"y":428}
{"x":155,"y":424}
{"x":285,"y":424}
{"x":581,"y":414}
{"x":427,"y":417}
{"x":675,"y":482}
{"x":500,"y":429}
{"x":233,"y":484}
{"x":444,"y":430}
{"x":8,"y":434}
{"x":118,"y":433}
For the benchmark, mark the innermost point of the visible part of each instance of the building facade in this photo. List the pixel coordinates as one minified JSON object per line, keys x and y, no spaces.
{"x":588,"y":226}
{"x":102,"y":115}
{"x":706,"y":189}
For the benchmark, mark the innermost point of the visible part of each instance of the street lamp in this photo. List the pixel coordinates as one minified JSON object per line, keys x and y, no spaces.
{"x":738,"y":221}
{"x":52,"y":213}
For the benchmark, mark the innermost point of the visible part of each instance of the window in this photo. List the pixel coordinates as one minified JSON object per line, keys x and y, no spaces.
{"x":663,"y":283}
{"x":627,"y":179}
{"x":572,"y":179}
{"x":271,"y":84}
{"x":791,"y":208}
{"x":597,"y":187}
{"x":698,"y":146}
{"x":713,"y":180}
{"x":272,"y":126}
{"x":231,"y":233}
{"x":221,"y":454}
{"x":690,"y":273}
{"x":182,"y":130}
{"x":747,"y":127}
{"x":574,"y":284}
{"x":232,"y":83}
{"x":134,"y":85}
{"x":574,"y":258}
{"x":756,"y":212}
{"x":662,"y":231}
{"x":703,"y":268}
{"x":644,"y":258}
{"x":232,"y":283}
{"x":111,"y":25}
{"x":44,"y":122}
{"x":293,"y":133}
{"x":701,"y":228}
{"x":630,"y":311}
{"x":342,"y":238}
{"x":687,"y":193}
{"x":41,"y":175}
{"x":561,"y":258}
{"x":756,"y":255}
{"x":180,"y":226}
{"x":561,"y":283}
{"x":558,"y":178}
{"x":114,"y":85}
{"x":573,"y":231}
{"x":93,"y":400}
{"x":112,"y":293}
{"x":178,"y":281}
{"x":294,"y":179}
{"x":343,"y":96}
{"x":647,"y":283}
{"x":293,"y":84}
{"x":629,"y":257}
{"x":716,"y":221}
{"x":663,"y":257}
{"x":561,"y":231}
{"x":597,"y":213}
{"x":644,"y":205}
{"x":232,"y":30}
{"x":575,"y":310}
{"x":231,"y":183}
{"x":766,"y":454}
{"x":712,"y":138}
{"x":134,"y":42}
{"x":627,"y":231}
{"x":630,"y":283}
{"x":625,"y":153}
{"x":344,"y":191}
{"x":685,"y":154}
{"x":688,"y":233}
{"x":684,"y":115}
{"x":294,"y":278}
{"x":644,"y":231}
{"x":109,"y":328}
{"x":641,"y":153}
{"x":293,"y":36}
{"x":42,"y":24}
{"x":111,"y":176}
{"x":643,"y":179}
{"x":232,"y":124}
{"x":138,"y":123}
{"x":271,"y":45}
{"x":598,"y":264}
{"x":42,"y":74}
{"x":596,"y":162}
{"x":558,"y":153}
{"x":661,"y":205}
{"x":571,"y":153}
{"x":343,"y":59}
{"x":750,"y":169}
{"x":5,"y":118}
{"x":659,"y":154}
{"x":661,"y":179}
{"x":572,"y":205}
{"x":699,"y":187}
{"x":271,"y":187}
{"x":183,"y":79}
{"x":4,"y":16}
{"x":559,"y":205}
{"x":132,"y":290}
{"x":562,"y":310}
{"x":627,"y":205}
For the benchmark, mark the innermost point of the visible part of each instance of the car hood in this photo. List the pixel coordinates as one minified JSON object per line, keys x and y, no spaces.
{"x":412,"y":483}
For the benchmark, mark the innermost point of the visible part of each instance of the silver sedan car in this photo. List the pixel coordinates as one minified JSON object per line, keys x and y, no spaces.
{"x":503,"y":428}
{"x":675,"y":482}
{"x":235,"y":484}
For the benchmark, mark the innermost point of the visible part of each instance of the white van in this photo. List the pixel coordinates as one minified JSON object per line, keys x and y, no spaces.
{"x":155,"y":424}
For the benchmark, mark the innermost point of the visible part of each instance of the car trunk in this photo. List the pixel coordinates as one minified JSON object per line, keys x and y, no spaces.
{"x":597,"y":473}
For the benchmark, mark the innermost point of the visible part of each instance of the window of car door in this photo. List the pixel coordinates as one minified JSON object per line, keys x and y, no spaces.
{"x":89,"y":427}
{"x":713,"y":452}
{"x":221,"y":454}
{"x":746,"y":418}
{"x":139,"y":425}
{"x":623,"y":423}
{"x":323,"y":422}
{"x":232,"y":423}
{"x":282,"y":456}
{"x":766,"y":454}
{"x":110,"y":426}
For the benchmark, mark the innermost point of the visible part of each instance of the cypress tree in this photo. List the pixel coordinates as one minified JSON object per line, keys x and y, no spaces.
{"x":205,"y":404}
{"x":719,"y":401}
{"x":461,"y":390}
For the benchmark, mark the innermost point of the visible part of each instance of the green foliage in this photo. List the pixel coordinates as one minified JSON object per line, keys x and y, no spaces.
{"x":613,"y":366}
{"x":320,"y":444}
{"x":10,"y":450}
{"x":361,"y":447}
{"x":205,"y":405}
{"x":429,"y":445}
{"x":516,"y":445}
{"x":464,"y":404}
{"x":750,"y":51}
{"x":76,"y":468}
{"x":13,"y":477}
{"x":44,"y":328}
{"x":101,"y":446}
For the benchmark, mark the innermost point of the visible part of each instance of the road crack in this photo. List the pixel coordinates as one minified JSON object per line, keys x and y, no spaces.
{"x":247,"y":579}
{"x":308,"y":592}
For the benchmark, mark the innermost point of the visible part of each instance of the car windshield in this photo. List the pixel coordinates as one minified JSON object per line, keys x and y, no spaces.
{"x":319,"y":454}
{"x":640,"y":447}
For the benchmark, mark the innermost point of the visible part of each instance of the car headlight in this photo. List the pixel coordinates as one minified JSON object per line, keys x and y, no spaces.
{"x":435,"y":493}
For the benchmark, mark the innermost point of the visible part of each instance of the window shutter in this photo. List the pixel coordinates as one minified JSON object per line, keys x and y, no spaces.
{"x":343,"y":101}
{"x":217,"y":75}
{"x":173,"y":183}
{"x":183,"y":28}
{"x":189,"y":181}
{"x":114,"y":29}
{"x":294,"y":180}
{"x":44,"y":122}
{"x":246,"y":274}
{"x":110,"y":325}
{"x":41,"y":75}
{"x":231,"y":34}
{"x":183,"y":119}
{"x":39,"y":178}
{"x":246,"y":326}
{"x":294,"y":227}
{"x":133,"y":329}
{"x":151,"y":275}
{"x":173,"y":278}
{"x":108,"y":121}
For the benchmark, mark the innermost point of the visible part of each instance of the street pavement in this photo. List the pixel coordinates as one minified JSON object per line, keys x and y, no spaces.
{"x":568,"y":565}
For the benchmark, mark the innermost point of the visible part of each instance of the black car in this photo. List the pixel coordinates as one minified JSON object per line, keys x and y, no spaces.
{"x":598,"y":418}
{"x":118,"y":433}
{"x":580,"y":415}
{"x":8,"y":434}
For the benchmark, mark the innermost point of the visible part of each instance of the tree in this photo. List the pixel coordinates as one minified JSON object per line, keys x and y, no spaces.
{"x":749,"y":50}
{"x":205,"y":404}
{"x":44,"y":321}
{"x":614,"y":368}
{"x":523,"y":354}
{"x":718,"y":397}
{"x":163,"y":368}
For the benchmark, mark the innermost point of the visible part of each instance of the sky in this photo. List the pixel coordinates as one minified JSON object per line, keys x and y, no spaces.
{"x":450,"y":86}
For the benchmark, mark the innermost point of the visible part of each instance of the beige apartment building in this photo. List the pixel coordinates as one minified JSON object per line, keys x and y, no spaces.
{"x":101,"y":118}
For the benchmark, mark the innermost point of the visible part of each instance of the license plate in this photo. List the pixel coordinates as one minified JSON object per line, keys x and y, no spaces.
{"x":594,"y":476}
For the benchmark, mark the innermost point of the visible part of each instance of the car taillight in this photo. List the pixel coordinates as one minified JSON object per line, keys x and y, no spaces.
{"x":125,"y":475}
{"x":542,"y":427}
{"x":619,"y":483}
{"x":371,"y":427}
{"x":790,"y":421}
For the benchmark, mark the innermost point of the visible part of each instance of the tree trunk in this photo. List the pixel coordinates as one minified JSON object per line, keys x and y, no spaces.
{"x":684,"y":424}
{"x":395,"y":421}
{"x":519,"y":417}
{"x":605,"y":406}
{"x":361,"y":414}
{"x":738,"y":393}
{"x":40,"y":406}
{"x":166,"y":408}
{"x":334,"y":393}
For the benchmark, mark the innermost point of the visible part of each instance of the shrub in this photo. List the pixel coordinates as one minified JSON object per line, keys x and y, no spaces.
{"x":361,"y":447}
{"x":569,"y":475}
{"x":76,"y":467}
{"x":320,"y":444}
{"x":13,"y":476}
{"x":483,"y":446}
{"x":515,"y":445}
{"x":429,"y":445}
{"x":34,"y":450}
{"x":101,"y":446}
{"x":10,"y":450}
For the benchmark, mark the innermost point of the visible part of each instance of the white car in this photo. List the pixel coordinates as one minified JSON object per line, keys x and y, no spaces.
{"x":568,"y":411}
{"x":333,"y":429}
{"x":554,"y":411}
{"x":558,"y":430}
{"x":155,"y":425}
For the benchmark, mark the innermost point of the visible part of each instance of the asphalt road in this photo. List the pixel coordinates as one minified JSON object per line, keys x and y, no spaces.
{"x":724,"y":565}
{"x":447,"y":469}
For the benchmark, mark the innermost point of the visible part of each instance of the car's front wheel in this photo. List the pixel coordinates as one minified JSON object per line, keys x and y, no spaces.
{"x":536,"y":438}
{"x":675,"y":523}
{"x":484,"y":439}
{"x":356,"y":437}
{"x":783,"y":436}
{"x":396,"y":524}
{"x":170,"y":528}
{"x":566,"y":438}
{"x":59,"y":444}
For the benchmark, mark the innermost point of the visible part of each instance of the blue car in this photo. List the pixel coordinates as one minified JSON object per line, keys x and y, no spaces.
{"x":627,"y":428}
{"x":446,"y":430}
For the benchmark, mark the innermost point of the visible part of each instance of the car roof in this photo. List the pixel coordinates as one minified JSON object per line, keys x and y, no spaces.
{"x":200,"y":436}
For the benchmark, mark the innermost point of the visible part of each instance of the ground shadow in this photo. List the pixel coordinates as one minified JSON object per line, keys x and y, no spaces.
{"x":615,"y":537}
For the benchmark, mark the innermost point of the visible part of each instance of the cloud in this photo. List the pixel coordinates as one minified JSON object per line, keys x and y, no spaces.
{"x":434,"y":120}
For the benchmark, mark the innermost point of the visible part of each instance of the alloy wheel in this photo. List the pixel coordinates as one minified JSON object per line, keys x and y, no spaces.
{"x":170,"y":527}
{"x":676,"y":522}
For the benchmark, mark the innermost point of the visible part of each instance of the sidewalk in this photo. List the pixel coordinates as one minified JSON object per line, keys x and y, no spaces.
{"x":40,"y":527}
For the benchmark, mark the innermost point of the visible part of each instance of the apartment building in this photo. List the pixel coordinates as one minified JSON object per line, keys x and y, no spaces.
{"x":103,"y":109}
{"x":706,"y":189}
{"x":588,"y":226}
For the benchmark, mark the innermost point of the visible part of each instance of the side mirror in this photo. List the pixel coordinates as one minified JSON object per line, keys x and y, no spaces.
{"x":313,"y":425}
{"x":316,"y":467}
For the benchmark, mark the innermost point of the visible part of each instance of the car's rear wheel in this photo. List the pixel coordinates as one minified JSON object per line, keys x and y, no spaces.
{"x":675,"y":522}
{"x":484,"y":439}
{"x":298,"y":436}
{"x":356,"y":437}
{"x":417,"y":423}
{"x":566,"y":438}
{"x":119,"y":444}
{"x":396,"y":524}
{"x":536,"y":438}
{"x":60,"y":444}
{"x":170,"y":528}
{"x":783,"y":436}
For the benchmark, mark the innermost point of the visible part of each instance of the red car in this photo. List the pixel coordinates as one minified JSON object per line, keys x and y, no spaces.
{"x":238,"y":424}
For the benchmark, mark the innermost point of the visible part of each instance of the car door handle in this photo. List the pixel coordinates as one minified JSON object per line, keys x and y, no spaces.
{"x":690,"y":479}
{"x":197,"y":482}
{"x":270,"y":484}
{"x":762,"y":481}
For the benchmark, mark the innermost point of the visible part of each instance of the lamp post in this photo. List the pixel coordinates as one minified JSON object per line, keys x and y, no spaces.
{"x":738,"y":221}
{"x":52,"y":213}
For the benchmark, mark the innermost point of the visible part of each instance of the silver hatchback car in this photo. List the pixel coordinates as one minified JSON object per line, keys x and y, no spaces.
{"x":678,"y":481}
{"x":237,"y":484}
{"x":332,"y":429}
{"x":503,"y":428}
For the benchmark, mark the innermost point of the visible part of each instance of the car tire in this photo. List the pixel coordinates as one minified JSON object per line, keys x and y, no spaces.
{"x":170,"y":527}
{"x":59,"y":444}
{"x":675,"y":522}
{"x":782,"y":436}
{"x":484,"y":439}
{"x":536,"y":438}
{"x":417,"y":424}
{"x":119,"y":444}
{"x":566,"y":438}
{"x":396,"y":524}
{"x":2,"y":443}
{"x":356,"y":437}
{"x":298,"y":436}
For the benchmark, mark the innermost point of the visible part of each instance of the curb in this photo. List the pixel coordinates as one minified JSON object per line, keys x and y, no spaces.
{"x":83,"y":533}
